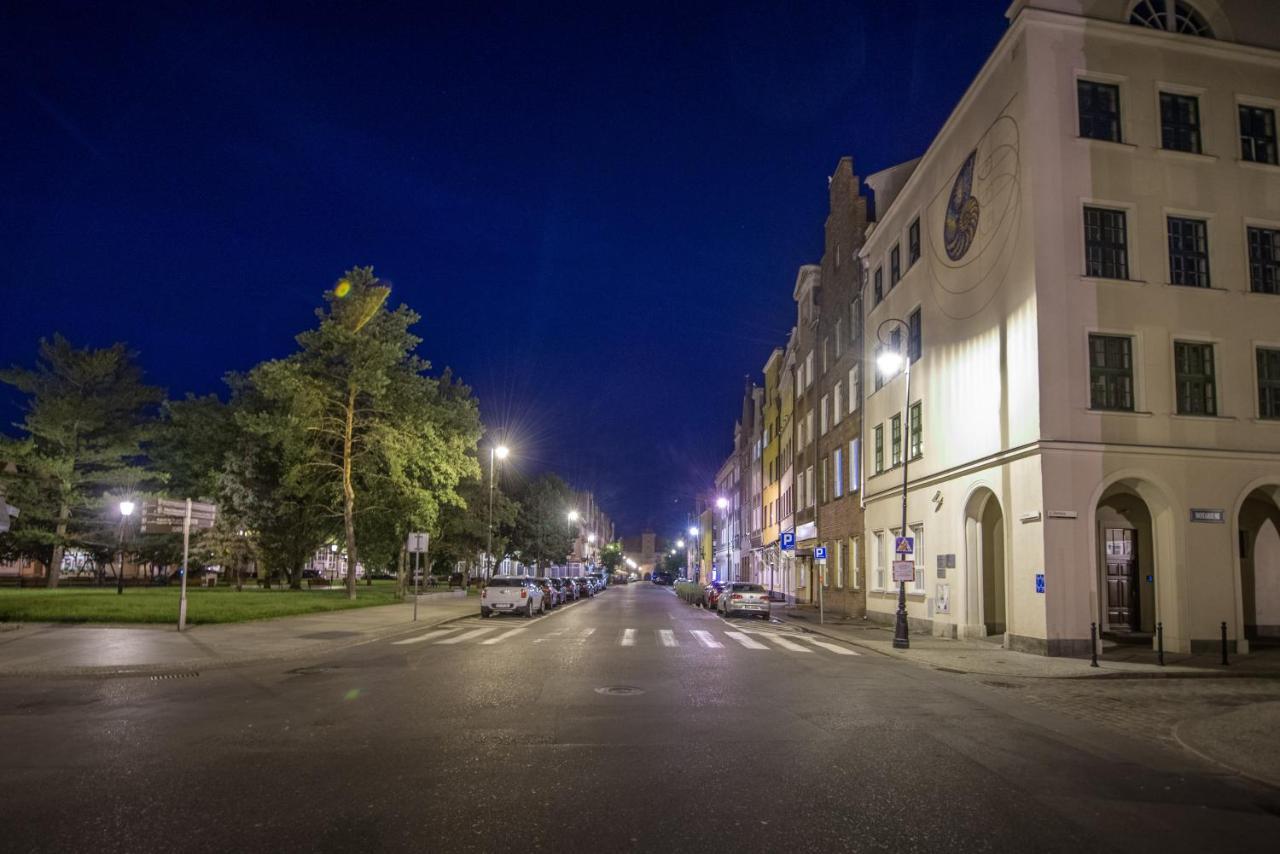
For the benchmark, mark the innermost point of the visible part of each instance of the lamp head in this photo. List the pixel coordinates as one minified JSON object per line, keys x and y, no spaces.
{"x":693,"y":531}
{"x":501,"y":452}
{"x":679,"y":544}
{"x":591,"y":538}
{"x":889,"y":362}
{"x":126,"y":508}
{"x":722,"y":502}
{"x":573,"y":515}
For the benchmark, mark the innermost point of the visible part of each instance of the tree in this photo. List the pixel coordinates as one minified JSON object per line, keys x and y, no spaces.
{"x":673,"y":563}
{"x":87,"y":417}
{"x":611,"y":556}
{"x":542,"y":534}
{"x":379,"y":432}
{"x":463,"y":530}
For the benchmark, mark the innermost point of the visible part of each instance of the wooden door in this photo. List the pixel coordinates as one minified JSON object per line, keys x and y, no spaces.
{"x":1122,"y":578}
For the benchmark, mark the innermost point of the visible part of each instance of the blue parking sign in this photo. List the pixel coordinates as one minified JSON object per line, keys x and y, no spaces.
{"x":820,"y":553}
{"x":788,"y":541}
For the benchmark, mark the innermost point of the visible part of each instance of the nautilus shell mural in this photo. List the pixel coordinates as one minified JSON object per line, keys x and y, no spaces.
{"x":972,"y":223}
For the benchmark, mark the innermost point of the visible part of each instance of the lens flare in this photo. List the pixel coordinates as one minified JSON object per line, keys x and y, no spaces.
{"x":353,"y":694}
{"x":341,"y":289}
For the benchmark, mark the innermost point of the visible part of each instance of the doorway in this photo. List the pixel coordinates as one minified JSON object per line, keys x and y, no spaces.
{"x":1124,"y":607}
{"x":1126,"y":566}
{"x":988,"y":611}
{"x":1259,"y":545}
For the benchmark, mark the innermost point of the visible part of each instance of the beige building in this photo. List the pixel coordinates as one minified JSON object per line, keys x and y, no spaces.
{"x":1086,"y":264}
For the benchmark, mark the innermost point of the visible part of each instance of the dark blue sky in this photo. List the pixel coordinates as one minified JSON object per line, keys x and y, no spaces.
{"x":598,"y":210}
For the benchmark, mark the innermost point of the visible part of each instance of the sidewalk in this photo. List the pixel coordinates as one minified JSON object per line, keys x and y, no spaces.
{"x":990,"y":659}
{"x":55,"y":649}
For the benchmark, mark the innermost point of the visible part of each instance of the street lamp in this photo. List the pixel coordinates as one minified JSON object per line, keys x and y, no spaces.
{"x":126,"y":510}
{"x":496,"y":453}
{"x":889,"y":361}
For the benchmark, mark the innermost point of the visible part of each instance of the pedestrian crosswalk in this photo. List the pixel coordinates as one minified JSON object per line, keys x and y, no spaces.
{"x":755,"y":640}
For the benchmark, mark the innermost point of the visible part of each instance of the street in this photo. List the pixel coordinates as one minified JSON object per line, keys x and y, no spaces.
{"x":625,"y":722}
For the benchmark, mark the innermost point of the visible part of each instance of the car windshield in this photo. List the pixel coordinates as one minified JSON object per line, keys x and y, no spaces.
{"x":747,"y":588}
{"x":506,"y":582}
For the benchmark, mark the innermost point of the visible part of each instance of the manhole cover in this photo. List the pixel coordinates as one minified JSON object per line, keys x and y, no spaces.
{"x":330,"y":635}
{"x":992,"y":683}
{"x":166,"y":676}
{"x":620,"y":690}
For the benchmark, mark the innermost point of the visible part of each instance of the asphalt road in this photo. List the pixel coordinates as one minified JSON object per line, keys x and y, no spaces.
{"x":625,"y":722}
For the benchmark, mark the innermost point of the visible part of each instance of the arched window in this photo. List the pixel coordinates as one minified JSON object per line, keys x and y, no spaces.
{"x":1174,"y":16}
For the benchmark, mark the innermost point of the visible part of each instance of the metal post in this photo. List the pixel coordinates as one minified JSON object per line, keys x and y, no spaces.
{"x":120,"y":569}
{"x":1224,"y":644}
{"x":901,"y":639}
{"x":488,"y":549}
{"x":417,"y":584}
{"x":1160,"y":643}
{"x":1093,"y":644}
{"x":186,"y":551}
{"x":821,"y":579}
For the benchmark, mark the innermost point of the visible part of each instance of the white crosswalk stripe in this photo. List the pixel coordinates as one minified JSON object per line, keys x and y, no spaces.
{"x":745,"y":641}
{"x":838,"y":650}
{"x":667,"y":637}
{"x":705,"y":639}
{"x":420,"y":638}
{"x":586,"y":633}
{"x":500,"y":638}
{"x":629,"y":637}
{"x":474,"y":633}
{"x":786,"y":644}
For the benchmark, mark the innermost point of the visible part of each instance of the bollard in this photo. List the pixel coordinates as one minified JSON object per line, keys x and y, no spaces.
{"x":1224,"y":644}
{"x":1160,"y":643}
{"x":1093,"y":644}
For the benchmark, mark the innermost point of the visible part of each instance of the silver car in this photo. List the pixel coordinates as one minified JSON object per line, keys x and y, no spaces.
{"x":743,"y":597}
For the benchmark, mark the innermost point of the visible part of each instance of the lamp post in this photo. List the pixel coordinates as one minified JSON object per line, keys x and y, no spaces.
{"x":889,"y":361}
{"x":126,"y":510}
{"x":496,"y":453}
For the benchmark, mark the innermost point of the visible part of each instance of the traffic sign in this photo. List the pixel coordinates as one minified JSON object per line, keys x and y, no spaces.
{"x":419,"y":542}
{"x":820,"y":554}
{"x":904,"y":570}
{"x":904,"y":545}
{"x":788,"y":541}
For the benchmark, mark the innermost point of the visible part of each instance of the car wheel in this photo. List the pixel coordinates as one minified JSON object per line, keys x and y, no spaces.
{"x":484,"y":613}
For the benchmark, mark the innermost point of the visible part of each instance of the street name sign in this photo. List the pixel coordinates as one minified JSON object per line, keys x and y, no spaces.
{"x":1201,"y":514}
{"x":788,"y":541}
{"x":904,"y":545}
{"x":904,"y":570}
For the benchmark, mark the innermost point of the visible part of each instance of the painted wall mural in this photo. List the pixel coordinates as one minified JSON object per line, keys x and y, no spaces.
{"x":973,"y":223}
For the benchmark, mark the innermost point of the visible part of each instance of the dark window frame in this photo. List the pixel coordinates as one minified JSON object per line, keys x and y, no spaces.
{"x":1111,"y":385}
{"x":1188,"y":241}
{"x":915,"y":334}
{"x":878,"y":433}
{"x":913,"y":243}
{"x":1264,"y":259}
{"x":1196,"y":384}
{"x":1180,"y":122}
{"x":1268,"y":382}
{"x":878,"y":284}
{"x":895,"y":440}
{"x":1106,"y":242}
{"x":895,"y":265}
{"x":915,"y":432}
{"x":1257,"y":127}
{"x":1097,"y":118}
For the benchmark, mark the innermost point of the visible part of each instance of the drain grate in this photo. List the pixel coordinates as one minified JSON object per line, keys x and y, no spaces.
{"x":947,"y":670}
{"x":620,"y":690}
{"x":165,"y":677}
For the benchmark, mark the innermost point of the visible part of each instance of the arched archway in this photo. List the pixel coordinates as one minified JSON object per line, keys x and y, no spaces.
{"x":987,"y":608}
{"x":1259,"y":553}
{"x":1134,"y":523}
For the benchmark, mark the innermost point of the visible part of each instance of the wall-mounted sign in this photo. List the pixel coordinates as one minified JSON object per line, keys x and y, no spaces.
{"x":1201,"y":514}
{"x":1061,"y":514}
{"x":788,"y":541}
{"x":807,"y":531}
{"x":1029,"y":517}
{"x":1039,"y":582}
{"x":904,"y":570}
{"x":943,"y":601}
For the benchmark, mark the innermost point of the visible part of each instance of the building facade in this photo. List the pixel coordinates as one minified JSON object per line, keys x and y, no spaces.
{"x":805,"y":418}
{"x":1083,"y":274}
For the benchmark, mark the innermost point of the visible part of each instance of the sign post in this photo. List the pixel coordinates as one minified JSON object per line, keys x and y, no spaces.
{"x":419,"y":542}
{"x":163,"y":516}
{"x":820,"y":559}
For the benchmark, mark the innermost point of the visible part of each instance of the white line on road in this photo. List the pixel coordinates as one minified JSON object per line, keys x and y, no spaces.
{"x":586,"y":633}
{"x":471,"y":635}
{"x":705,"y":639}
{"x":420,"y":638}
{"x":745,"y":641}
{"x":839,"y":650}
{"x":786,"y":644}
{"x":628,"y":637}
{"x":500,"y":638}
{"x":667,"y":637}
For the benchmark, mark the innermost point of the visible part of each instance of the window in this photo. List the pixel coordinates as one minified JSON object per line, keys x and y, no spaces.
{"x":878,"y":557}
{"x":839,"y":336}
{"x":895,"y":440}
{"x":913,"y":242}
{"x":1193,"y":372}
{"x":808,"y":429}
{"x":824,"y":481}
{"x":1172,"y":15}
{"x":853,"y":563}
{"x":1264,"y":260}
{"x":915,"y":446}
{"x":913,"y":336}
{"x":837,"y":462}
{"x":1180,"y":122}
{"x":855,"y":387}
{"x":917,"y":533}
{"x":839,"y":546}
{"x":808,"y":370}
{"x":1188,"y":252}
{"x":1099,"y":106}
{"x":1268,"y":383}
{"x":855,"y":464}
{"x":895,"y":266}
{"x":1106,"y":243}
{"x":800,"y":487}
{"x":878,"y":278}
{"x":837,"y":403}
{"x":812,"y":490}
{"x":823,"y":409}
{"x":1111,"y":372}
{"x":826,"y":354}
{"x":879,"y":447}
{"x":1257,"y":134}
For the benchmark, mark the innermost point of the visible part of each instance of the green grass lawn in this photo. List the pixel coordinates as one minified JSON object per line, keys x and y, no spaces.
{"x":160,"y":604}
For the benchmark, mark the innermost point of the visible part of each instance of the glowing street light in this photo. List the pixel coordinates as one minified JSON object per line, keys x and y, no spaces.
{"x":693,"y":530}
{"x":722,"y":502}
{"x":679,"y":544}
{"x":889,"y":360}
{"x":126,"y":510}
{"x":499,"y":452}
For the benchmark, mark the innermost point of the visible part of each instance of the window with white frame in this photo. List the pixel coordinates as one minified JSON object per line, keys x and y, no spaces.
{"x":854,"y":580}
{"x":824,"y":406}
{"x":839,"y":563}
{"x":837,"y":402}
{"x":877,"y":557}
{"x":839,"y":336}
{"x":838,"y":467}
{"x":855,"y":387}
{"x":917,"y":532}
{"x":855,"y":465}
{"x":813,"y":492}
{"x":808,"y":370}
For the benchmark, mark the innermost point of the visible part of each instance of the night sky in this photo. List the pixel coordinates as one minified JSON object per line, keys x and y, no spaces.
{"x":598,"y":210}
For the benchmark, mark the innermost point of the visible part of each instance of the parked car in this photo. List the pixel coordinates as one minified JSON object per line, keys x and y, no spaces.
{"x":602,"y":580}
{"x":562,"y":590}
{"x":742,"y":597}
{"x":584,"y":586}
{"x":711,"y":593}
{"x":550,"y":591}
{"x":664,"y":578}
{"x":512,"y":594}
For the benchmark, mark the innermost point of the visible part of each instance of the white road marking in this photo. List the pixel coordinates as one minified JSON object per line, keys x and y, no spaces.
{"x":420,"y":638}
{"x":628,"y":637}
{"x":500,"y":638}
{"x":586,"y":633}
{"x":705,"y":639}
{"x":838,"y":650}
{"x":471,"y":635}
{"x":786,"y":644}
{"x":667,"y":637}
{"x":745,"y":641}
